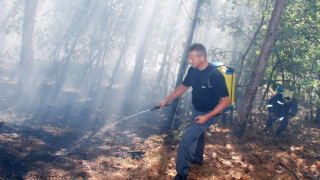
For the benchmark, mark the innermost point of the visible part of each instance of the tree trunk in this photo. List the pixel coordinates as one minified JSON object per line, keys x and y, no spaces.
{"x":259,"y":68}
{"x":26,"y":56}
{"x":73,"y":36}
{"x":253,"y":40}
{"x":123,"y":52}
{"x":184,"y":60}
{"x":310,"y":104}
{"x":133,"y":91}
{"x":317,"y":119}
{"x":116,"y":69}
{"x":268,"y":85}
{"x":169,"y":45}
{"x":164,"y":92}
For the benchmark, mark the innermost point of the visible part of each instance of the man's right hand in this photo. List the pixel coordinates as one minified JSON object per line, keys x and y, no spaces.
{"x":162,"y":104}
{"x":179,"y":91}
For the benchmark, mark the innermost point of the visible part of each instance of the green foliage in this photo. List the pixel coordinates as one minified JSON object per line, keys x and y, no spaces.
{"x":178,"y":133}
{"x":294,"y":59}
{"x":298,"y":51}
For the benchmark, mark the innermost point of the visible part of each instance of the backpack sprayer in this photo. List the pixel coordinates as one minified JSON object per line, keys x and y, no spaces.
{"x":228,"y":73}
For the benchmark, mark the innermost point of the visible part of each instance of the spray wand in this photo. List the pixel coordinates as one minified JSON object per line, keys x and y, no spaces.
{"x":158,"y":107}
{"x":152,"y":109}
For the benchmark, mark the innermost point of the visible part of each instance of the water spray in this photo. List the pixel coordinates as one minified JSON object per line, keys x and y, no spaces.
{"x":104,"y":129}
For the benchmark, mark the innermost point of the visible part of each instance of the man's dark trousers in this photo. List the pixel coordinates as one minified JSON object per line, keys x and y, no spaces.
{"x":283,"y":123}
{"x":192,"y":143}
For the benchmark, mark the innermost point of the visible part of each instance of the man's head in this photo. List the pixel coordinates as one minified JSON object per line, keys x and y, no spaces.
{"x":280,"y":90}
{"x":199,"y":49}
{"x":197,"y":56}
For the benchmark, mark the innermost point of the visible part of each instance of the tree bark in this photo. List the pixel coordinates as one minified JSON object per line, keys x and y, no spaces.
{"x":253,"y":40}
{"x":73,"y":35}
{"x":317,"y":119}
{"x":26,"y":54}
{"x":310,"y":91}
{"x":184,"y":60}
{"x":133,"y":91}
{"x":116,"y":69}
{"x":259,"y":68}
{"x":268,"y":84}
{"x":168,"y":47}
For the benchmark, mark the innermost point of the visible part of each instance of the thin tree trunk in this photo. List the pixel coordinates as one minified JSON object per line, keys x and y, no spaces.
{"x":311,"y":105}
{"x":165,"y":83}
{"x":26,"y":56}
{"x":26,"y":59}
{"x":282,"y":70}
{"x":259,"y":68}
{"x":268,"y":85}
{"x":73,"y":34}
{"x":100,"y":31}
{"x":317,"y":119}
{"x":123,"y":52}
{"x":133,"y":91}
{"x":124,"y":48}
{"x":161,"y":86}
{"x":184,"y":60}
{"x":253,"y":40}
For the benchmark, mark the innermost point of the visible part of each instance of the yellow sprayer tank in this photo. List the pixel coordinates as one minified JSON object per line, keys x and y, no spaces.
{"x":230,"y":78}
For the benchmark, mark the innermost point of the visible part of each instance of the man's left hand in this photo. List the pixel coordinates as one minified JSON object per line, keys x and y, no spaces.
{"x":201,"y":119}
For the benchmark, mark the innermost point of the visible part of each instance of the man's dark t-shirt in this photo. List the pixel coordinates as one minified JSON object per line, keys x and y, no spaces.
{"x":203,"y":97}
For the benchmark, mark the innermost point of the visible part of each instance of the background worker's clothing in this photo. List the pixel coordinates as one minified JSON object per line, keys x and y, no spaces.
{"x":283,"y":124}
{"x":191,"y":146}
{"x":271,"y":121}
{"x":281,"y":110}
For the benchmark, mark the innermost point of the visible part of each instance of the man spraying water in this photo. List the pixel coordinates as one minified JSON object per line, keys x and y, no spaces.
{"x":207,"y":103}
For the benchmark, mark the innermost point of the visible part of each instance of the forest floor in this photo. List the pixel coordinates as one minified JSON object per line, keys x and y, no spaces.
{"x":140,"y":148}
{"x":75,"y":140}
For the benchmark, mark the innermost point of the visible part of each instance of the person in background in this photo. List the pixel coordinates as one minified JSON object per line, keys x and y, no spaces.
{"x":282,"y":106}
{"x":207,"y":103}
